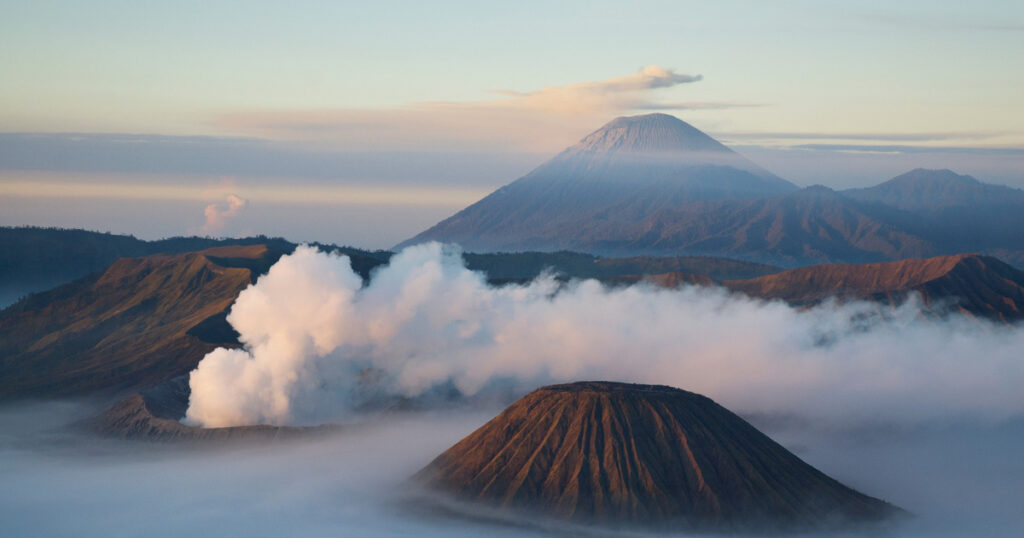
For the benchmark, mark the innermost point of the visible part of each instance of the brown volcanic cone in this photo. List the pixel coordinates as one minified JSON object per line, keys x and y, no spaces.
{"x":601,"y":452}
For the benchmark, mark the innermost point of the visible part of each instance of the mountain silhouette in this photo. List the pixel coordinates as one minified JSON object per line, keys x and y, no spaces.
{"x":922,"y":190}
{"x":655,"y":185}
{"x":621,"y":173}
{"x":956,"y":212}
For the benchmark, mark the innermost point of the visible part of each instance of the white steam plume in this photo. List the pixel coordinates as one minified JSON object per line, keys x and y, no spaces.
{"x":217,"y":215}
{"x":309,"y":329}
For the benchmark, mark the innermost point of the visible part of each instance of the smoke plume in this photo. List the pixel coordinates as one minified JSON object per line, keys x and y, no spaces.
{"x":311,"y":332}
{"x":218,"y":215}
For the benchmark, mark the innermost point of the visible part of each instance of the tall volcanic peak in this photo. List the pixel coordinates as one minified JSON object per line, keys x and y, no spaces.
{"x":659,"y":145}
{"x":644,"y":455}
{"x":599,"y":191}
{"x":648,"y":134}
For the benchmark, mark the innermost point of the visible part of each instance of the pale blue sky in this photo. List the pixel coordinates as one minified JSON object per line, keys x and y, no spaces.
{"x":167,"y":67}
{"x":343,"y":77}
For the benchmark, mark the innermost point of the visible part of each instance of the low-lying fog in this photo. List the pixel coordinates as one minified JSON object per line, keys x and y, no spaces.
{"x":925,"y":413}
{"x":312,"y":331}
{"x":959,"y":480}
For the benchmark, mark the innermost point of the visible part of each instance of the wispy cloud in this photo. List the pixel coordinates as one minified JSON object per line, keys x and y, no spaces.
{"x":876,"y":137}
{"x":171,"y":188}
{"x":890,"y":148}
{"x":180,"y":160}
{"x":541,"y":120}
{"x":614,"y":94}
{"x":697,"y":105}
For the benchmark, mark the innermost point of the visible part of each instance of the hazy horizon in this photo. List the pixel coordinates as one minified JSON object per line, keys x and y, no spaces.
{"x":152,"y":198}
{"x":362,"y":125}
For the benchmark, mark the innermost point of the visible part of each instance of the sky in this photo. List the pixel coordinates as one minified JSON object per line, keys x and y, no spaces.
{"x":364,"y":123}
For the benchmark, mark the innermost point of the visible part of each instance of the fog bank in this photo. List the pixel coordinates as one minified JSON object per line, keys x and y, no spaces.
{"x":315,"y":341}
{"x":958,"y":479}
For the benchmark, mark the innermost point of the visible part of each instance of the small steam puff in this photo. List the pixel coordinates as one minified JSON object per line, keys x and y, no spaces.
{"x":217,"y":215}
{"x":309,"y":329}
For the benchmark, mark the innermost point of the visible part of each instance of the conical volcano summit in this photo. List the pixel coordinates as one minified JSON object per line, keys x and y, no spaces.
{"x":655,"y":185}
{"x":621,"y":454}
{"x":619,"y":175}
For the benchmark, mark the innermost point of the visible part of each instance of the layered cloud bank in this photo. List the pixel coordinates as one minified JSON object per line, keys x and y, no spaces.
{"x":315,"y":340}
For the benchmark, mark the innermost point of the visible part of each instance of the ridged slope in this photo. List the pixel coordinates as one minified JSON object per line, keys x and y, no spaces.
{"x":621,"y":173}
{"x":976,"y":285}
{"x":139,"y":323}
{"x":931,"y":190}
{"x":650,"y":134}
{"x":812,"y":225}
{"x":959,"y":212}
{"x":615,"y":453}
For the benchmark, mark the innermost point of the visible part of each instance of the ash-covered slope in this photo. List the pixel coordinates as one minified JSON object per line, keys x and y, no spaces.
{"x":969,"y":283}
{"x":654,"y":185}
{"x":622,"y":173}
{"x":810,"y":226}
{"x":137,"y":324}
{"x":621,"y":454}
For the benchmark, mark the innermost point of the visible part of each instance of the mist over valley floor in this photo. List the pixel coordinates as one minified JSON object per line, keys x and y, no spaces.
{"x":957,"y":479}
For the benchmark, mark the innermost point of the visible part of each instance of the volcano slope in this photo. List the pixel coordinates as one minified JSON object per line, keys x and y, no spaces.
{"x":621,"y":455}
{"x":655,"y":185}
{"x":970,"y":284}
{"x":602,"y":191}
{"x":137,"y":324}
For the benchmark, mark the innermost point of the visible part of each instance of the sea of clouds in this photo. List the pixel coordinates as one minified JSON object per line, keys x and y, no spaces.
{"x":312,"y":331}
{"x":925,"y":413}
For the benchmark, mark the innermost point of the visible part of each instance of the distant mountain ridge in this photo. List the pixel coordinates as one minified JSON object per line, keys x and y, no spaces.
{"x":933,"y":190}
{"x":654,"y":185}
{"x":138,"y":323}
{"x":966,"y":283}
{"x":956,"y":212}
{"x":34,"y":259}
{"x":811,"y":226}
